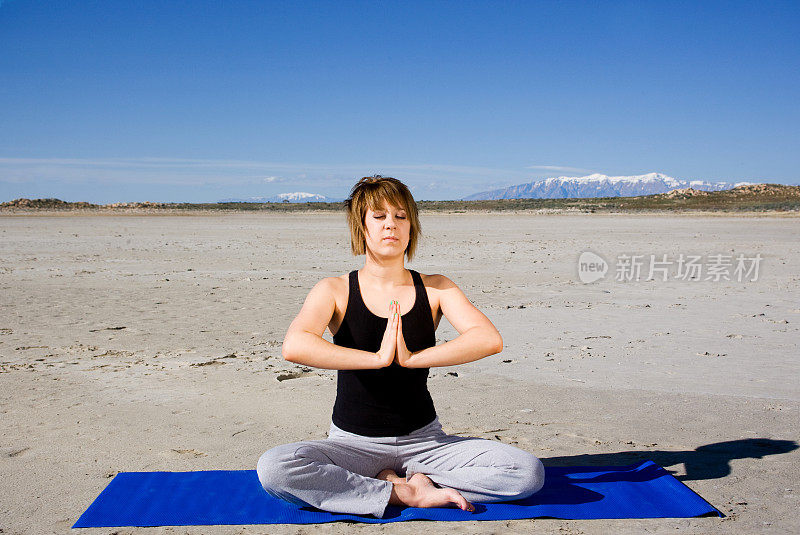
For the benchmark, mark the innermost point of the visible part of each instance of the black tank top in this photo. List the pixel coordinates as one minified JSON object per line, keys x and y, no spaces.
{"x":390,"y":401}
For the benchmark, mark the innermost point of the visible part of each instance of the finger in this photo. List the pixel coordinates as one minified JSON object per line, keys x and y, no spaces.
{"x":390,"y":323}
{"x":395,"y":320}
{"x":401,"y":341}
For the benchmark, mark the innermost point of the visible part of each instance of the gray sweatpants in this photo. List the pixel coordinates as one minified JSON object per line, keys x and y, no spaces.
{"x":338,"y":474}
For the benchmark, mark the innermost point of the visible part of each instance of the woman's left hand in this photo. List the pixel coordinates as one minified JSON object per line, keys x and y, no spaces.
{"x":402,"y":354}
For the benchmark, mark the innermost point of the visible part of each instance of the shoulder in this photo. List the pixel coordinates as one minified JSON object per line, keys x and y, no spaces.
{"x":437,"y":282}
{"x":328,"y":295}
{"x":335,"y":289}
{"x":330,"y":286}
{"x":443,"y":290}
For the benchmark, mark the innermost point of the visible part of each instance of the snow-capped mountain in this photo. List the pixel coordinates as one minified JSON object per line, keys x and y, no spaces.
{"x":598,"y":185}
{"x":298,"y":196}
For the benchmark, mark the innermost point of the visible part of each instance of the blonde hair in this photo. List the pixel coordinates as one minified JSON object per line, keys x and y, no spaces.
{"x":372,"y":192}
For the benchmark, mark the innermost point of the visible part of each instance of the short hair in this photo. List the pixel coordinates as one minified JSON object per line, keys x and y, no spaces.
{"x":372,"y":192}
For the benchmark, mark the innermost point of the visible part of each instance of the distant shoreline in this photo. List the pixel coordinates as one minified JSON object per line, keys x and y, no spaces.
{"x":756,"y":198}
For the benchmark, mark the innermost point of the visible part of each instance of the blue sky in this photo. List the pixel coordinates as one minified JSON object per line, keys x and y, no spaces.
{"x":198,"y":101}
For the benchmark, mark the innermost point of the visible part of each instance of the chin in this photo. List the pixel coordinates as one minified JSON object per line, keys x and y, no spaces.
{"x":389,"y":254}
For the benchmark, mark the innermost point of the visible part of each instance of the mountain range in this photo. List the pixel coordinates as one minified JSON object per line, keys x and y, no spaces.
{"x":562,"y":187}
{"x":298,"y":196}
{"x":598,"y":185}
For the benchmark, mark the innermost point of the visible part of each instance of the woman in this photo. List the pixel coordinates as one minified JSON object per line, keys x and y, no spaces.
{"x":385,"y":444}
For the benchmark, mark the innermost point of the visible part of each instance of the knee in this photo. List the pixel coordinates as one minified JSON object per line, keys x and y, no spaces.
{"x":272,"y":467}
{"x":528,"y":475}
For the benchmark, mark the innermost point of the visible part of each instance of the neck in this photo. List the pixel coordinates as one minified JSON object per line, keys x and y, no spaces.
{"x":385,"y":270}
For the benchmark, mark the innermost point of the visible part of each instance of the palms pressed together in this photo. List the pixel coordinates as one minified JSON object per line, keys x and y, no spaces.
{"x":393,"y":346}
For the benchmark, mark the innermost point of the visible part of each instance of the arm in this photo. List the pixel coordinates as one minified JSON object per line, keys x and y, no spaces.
{"x":477,"y":337}
{"x":303,"y":343}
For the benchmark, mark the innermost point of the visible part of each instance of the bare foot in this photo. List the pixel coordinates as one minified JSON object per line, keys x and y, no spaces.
{"x":419,"y":491}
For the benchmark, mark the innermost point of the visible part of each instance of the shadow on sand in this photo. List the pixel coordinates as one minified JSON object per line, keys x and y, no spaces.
{"x":711,"y":461}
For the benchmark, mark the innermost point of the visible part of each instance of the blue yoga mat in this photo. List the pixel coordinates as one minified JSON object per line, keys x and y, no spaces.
{"x":235,"y":497}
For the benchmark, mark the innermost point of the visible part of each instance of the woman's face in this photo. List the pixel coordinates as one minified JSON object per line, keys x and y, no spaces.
{"x":388,"y":230}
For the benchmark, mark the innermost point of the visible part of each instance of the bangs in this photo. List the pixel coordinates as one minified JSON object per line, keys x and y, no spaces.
{"x":373,"y":193}
{"x":375,"y":199}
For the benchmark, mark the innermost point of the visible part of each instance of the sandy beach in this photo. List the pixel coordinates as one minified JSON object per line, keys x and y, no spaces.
{"x":152,"y":342}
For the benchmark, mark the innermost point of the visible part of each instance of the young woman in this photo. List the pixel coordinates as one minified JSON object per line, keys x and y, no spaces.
{"x":385,"y":444}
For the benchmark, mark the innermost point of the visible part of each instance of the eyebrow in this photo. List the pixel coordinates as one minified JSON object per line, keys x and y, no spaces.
{"x":382,"y":210}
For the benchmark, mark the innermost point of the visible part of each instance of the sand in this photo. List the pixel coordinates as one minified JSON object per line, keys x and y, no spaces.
{"x":137,"y":343}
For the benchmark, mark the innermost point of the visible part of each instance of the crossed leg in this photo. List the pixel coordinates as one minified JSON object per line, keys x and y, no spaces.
{"x":328,"y":475}
{"x":352,"y":476}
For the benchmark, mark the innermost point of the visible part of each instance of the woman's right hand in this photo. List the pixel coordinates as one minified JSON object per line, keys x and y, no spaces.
{"x":389,"y":343}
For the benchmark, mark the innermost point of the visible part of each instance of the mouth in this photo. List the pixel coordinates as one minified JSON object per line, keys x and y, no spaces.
{"x":390,"y":238}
